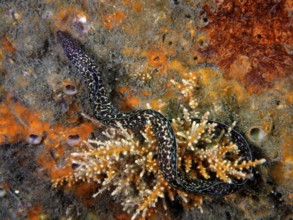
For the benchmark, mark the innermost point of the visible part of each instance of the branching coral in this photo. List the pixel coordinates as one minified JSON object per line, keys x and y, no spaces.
{"x":126,"y":164}
{"x":129,"y":168}
{"x":187,"y":87}
{"x":208,"y":153}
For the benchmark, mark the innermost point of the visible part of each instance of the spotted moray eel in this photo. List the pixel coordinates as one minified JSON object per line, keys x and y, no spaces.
{"x":167,"y":146}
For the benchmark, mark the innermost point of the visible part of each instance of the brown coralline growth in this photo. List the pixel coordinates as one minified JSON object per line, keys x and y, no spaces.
{"x":250,"y":40}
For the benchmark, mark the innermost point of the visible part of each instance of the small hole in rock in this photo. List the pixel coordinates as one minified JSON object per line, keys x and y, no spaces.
{"x":70,"y":89}
{"x":156,"y":58}
{"x":73,"y":139}
{"x":34,"y":139}
{"x":75,"y":166}
{"x":257,"y":134}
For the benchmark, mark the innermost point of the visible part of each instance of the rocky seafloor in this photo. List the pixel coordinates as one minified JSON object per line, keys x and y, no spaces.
{"x":234,"y":58}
